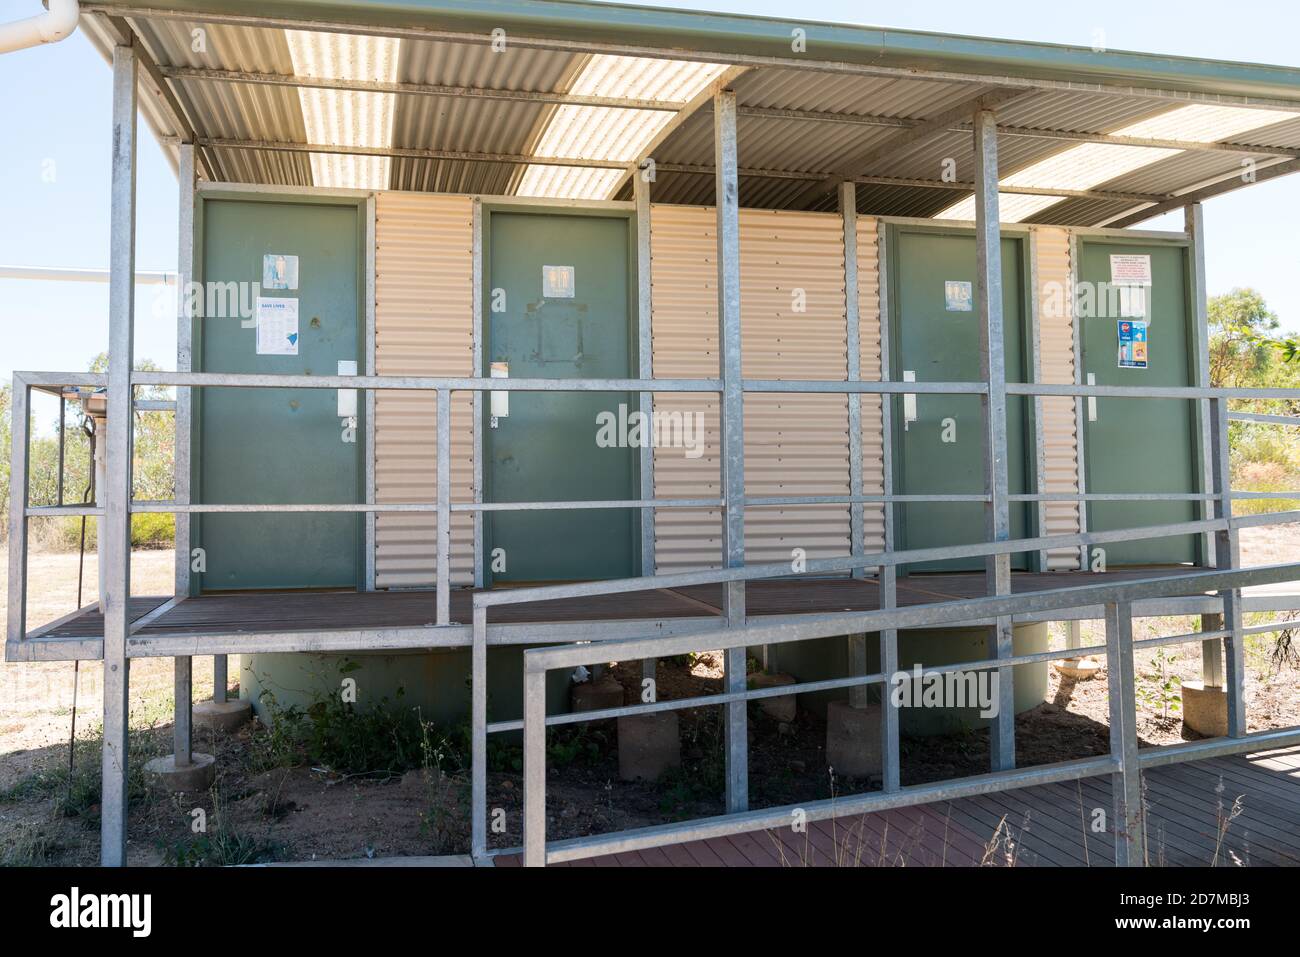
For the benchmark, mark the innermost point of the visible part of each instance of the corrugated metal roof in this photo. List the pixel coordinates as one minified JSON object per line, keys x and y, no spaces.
{"x":797,"y":126}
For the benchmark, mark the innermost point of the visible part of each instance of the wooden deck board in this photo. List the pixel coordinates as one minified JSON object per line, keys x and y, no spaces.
{"x":1181,"y":825}
{"x":273,"y":611}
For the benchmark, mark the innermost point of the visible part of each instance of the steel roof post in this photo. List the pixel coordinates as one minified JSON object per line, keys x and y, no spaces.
{"x":997,"y":516}
{"x":115,"y":527}
{"x":732,"y":433}
{"x":645,"y":360}
{"x":183,"y":690}
{"x":887,"y":574}
{"x":857,"y":650}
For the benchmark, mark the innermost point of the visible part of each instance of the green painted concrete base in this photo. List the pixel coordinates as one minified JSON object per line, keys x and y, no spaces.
{"x":436,"y":682}
{"x":826,"y":658}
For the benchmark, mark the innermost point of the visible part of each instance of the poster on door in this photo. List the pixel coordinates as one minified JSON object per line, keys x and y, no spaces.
{"x":277,"y":326}
{"x":1132,"y":344}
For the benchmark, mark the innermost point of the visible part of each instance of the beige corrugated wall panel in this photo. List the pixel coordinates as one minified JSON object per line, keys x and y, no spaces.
{"x":793,"y":327}
{"x":873,"y":462}
{"x":1056,"y":356}
{"x":423,"y":326}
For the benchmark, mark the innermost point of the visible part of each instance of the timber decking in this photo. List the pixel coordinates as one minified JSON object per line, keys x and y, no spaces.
{"x":1187,"y":806}
{"x":273,"y":611}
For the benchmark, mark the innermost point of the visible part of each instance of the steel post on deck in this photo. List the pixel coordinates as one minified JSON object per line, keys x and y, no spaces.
{"x":887,"y":574}
{"x":727,"y":200}
{"x":853,"y":372}
{"x":641,"y":180}
{"x":1227,"y":555}
{"x":1128,"y":815}
{"x":16,"y":628}
{"x":183,"y":691}
{"x":114,"y":527}
{"x":997,"y":516}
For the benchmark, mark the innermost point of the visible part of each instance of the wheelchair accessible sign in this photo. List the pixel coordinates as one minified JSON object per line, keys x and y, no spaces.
{"x":1132,"y":343}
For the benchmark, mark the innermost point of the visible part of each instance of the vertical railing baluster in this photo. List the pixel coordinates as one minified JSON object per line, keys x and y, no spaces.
{"x":1126,"y":785}
{"x":1227,"y":554}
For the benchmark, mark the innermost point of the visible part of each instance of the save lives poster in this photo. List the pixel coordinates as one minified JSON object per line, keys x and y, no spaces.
{"x":1132,"y":344}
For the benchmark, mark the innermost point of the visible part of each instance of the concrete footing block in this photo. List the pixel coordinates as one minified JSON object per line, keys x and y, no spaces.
{"x":1081,"y":669}
{"x":1205,"y":710}
{"x":198,"y":775}
{"x":853,"y":740}
{"x":780,"y":708}
{"x":597,"y":694}
{"x":648,"y":745}
{"x":222,"y":715}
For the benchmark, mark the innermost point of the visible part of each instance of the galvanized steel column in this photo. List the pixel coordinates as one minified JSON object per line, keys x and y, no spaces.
{"x":1194,"y":224}
{"x":1126,"y":786}
{"x":183,"y":691}
{"x":645,"y":357}
{"x":997,"y":516}
{"x":115,"y":528}
{"x":1227,"y":554}
{"x":887,"y":574}
{"x":857,"y":644}
{"x":16,"y":629}
{"x":732,"y":432}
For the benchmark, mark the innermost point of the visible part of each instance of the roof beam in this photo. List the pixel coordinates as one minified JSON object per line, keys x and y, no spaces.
{"x":283,"y":146}
{"x":688,"y":169}
{"x":417,"y":89}
{"x":699,"y":102}
{"x":120,"y":33}
{"x":1018,"y":190}
{"x":922,"y":131}
{"x":1216,"y":187}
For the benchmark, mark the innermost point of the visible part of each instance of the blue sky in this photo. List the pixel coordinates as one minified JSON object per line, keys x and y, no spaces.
{"x":54,"y":166}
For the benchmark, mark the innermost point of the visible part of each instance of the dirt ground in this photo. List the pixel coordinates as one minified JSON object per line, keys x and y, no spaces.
{"x":270,"y":802}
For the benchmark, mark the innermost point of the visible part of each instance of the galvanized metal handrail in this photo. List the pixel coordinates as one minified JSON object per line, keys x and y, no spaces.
{"x":1123,"y":760}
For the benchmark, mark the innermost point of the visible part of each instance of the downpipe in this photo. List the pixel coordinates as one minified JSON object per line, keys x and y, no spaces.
{"x":55,"y":24}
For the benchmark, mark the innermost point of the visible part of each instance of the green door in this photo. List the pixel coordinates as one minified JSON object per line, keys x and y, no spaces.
{"x":557,"y":306}
{"x":1139,"y":445}
{"x":939,"y":438}
{"x":279,"y":445}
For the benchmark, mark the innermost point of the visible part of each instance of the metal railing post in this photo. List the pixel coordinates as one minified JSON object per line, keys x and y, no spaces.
{"x":534,"y":766}
{"x":443,"y":467}
{"x":1126,"y":786}
{"x":21,"y":397}
{"x":115,"y":527}
{"x":478,"y":735}
{"x":997,"y":516}
{"x":733,"y":434}
{"x":1227,"y":554}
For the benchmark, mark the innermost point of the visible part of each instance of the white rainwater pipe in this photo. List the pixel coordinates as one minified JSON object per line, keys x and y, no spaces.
{"x":53,"y":25}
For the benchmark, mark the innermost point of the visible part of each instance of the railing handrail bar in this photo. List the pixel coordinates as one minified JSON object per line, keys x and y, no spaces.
{"x":876,"y":560}
{"x":913,"y":616}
